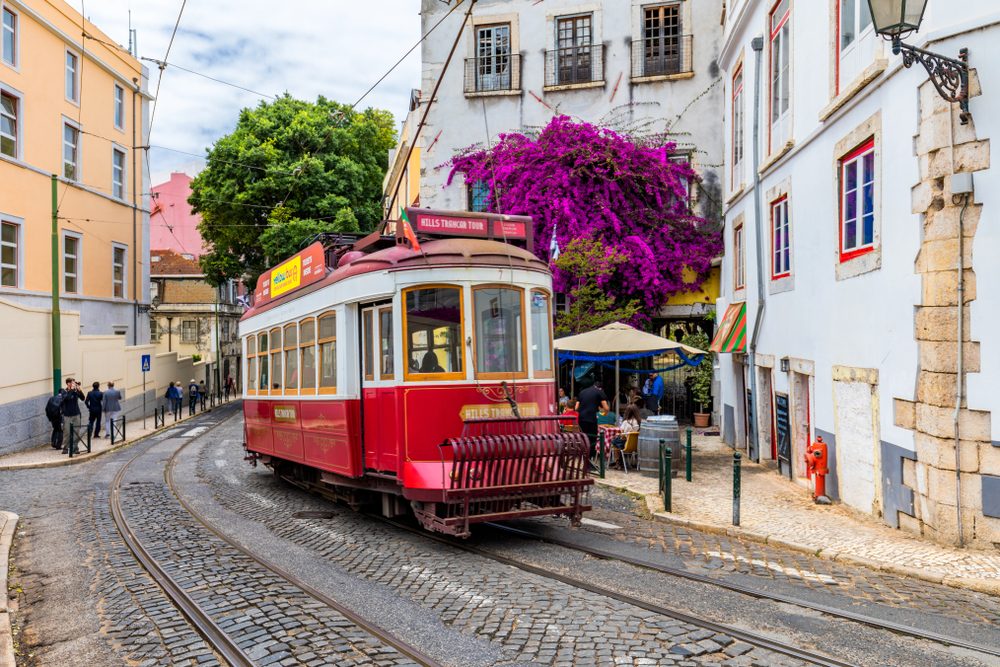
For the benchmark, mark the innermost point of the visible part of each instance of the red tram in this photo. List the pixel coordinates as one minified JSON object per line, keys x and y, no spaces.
{"x":424,"y":376}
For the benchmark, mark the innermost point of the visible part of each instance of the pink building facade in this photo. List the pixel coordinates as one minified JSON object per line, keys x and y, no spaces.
{"x":172,"y":223}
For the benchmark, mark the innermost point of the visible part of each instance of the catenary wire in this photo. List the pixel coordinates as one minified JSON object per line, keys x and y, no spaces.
{"x":164,"y":64}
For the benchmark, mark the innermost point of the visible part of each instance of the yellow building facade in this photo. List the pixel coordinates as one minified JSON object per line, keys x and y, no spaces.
{"x":72,"y":106}
{"x":401,"y":186}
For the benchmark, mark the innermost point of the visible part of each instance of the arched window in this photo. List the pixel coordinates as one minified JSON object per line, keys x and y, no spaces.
{"x":251,"y":381}
{"x":276,"y":353}
{"x":263,"y":364}
{"x":291,"y":359}
{"x":499,"y":318}
{"x":432,"y":333}
{"x":541,"y":333}
{"x":307,"y":356}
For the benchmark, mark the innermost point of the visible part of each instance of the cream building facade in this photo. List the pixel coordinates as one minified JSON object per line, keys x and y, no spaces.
{"x":863,"y":262}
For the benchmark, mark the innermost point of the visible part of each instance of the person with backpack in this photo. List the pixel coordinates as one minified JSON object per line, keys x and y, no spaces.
{"x":71,"y":412}
{"x":95,"y":406}
{"x":53,"y":412}
{"x":112,"y":408}
{"x":192,"y":396}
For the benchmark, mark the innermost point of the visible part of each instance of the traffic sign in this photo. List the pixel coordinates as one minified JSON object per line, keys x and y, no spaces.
{"x":145,"y":363}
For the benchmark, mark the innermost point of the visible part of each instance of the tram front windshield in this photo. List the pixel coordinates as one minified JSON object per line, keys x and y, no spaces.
{"x":434,"y":330}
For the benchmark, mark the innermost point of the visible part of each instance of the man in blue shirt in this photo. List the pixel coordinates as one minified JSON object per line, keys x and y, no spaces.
{"x":654,"y":392}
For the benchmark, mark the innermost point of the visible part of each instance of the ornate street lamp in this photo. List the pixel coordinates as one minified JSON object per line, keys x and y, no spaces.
{"x":894,"y":20}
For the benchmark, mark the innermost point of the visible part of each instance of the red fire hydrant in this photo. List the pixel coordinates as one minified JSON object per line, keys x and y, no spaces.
{"x":817,"y":468}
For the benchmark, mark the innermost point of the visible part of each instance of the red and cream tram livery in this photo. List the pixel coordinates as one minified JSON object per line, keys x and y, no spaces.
{"x":422,"y":375}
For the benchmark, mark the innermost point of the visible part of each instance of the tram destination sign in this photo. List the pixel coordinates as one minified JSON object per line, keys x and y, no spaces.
{"x":477,"y":225}
{"x":294,"y":273}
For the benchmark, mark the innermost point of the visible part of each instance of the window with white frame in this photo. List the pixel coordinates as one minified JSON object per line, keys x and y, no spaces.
{"x":857,"y":201}
{"x":118,"y":173}
{"x":10,"y":117}
{"x":118,"y":258}
{"x":119,"y":107}
{"x":72,"y":77}
{"x":683,"y":159}
{"x":71,"y":152}
{"x":780,"y":79}
{"x":856,"y":40}
{"x":493,"y":57}
{"x":737,"y":133}
{"x":10,"y":238}
{"x":9,"y":37}
{"x":71,"y":263}
{"x":189,"y":331}
{"x":781,"y":247}
{"x":739,"y":268}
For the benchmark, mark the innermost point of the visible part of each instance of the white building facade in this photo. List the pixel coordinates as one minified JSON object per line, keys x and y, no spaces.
{"x":847,"y":240}
{"x":640,"y":67}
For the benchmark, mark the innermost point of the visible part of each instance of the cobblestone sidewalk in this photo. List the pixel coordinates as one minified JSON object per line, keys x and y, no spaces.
{"x":45,"y":456}
{"x":778,"y":511}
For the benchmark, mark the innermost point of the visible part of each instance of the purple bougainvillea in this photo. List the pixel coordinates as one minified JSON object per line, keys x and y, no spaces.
{"x":580,"y":181}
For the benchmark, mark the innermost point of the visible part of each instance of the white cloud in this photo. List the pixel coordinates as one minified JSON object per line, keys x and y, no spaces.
{"x":308,"y":48}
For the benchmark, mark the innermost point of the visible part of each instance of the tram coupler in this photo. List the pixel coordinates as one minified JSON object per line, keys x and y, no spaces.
{"x":250,"y":457}
{"x":817,"y":467}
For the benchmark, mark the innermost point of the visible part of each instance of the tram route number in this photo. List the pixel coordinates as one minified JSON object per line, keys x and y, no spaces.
{"x":497,"y":411}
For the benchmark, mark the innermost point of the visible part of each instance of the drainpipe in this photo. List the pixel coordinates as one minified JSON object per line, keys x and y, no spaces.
{"x":757,"y":44}
{"x":959,"y":384}
{"x":135,"y":213}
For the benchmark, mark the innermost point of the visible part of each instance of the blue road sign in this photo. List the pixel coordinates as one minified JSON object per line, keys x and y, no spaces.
{"x":145,"y":363}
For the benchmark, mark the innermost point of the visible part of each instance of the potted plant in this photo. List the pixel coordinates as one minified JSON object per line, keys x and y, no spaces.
{"x":700,"y":379}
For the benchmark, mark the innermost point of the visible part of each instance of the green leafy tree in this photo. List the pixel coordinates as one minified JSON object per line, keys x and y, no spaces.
{"x":289,"y":170}
{"x":589,"y":265}
{"x":701,"y":376}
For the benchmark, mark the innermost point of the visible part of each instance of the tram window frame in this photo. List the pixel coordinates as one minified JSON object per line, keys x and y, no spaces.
{"x":251,"y":357}
{"x":551,"y":342}
{"x":303,"y":346}
{"x":368,"y":343}
{"x":263,"y":363}
{"x":293,"y":352}
{"x":501,"y":375}
{"x":411,"y":376}
{"x":320,"y":341}
{"x":277,"y":352}
{"x":383,"y":338}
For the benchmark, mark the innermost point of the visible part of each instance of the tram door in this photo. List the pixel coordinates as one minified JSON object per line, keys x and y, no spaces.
{"x":378,"y":388}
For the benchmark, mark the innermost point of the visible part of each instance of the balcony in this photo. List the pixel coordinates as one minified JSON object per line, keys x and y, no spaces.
{"x":573,"y":66}
{"x":493,"y":75}
{"x":662,"y":57}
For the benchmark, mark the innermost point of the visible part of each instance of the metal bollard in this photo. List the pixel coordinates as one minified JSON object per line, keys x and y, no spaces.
{"x":687,"y":458}
{"x":601,"y":439}
{"x":736,"y":488}
{"x":659,"y":463}
{"x":667,"y":479}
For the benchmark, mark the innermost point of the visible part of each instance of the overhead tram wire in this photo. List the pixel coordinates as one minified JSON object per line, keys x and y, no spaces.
{"x":159,"y":79}
{"x":163,"y":64}
{"x":79,"y":107}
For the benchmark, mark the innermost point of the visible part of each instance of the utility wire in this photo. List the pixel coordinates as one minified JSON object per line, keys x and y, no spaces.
{"x":159,"y":79}
{"x":163,"y":65}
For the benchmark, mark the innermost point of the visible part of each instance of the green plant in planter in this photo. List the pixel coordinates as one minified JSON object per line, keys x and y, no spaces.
{"x":701,"y":377}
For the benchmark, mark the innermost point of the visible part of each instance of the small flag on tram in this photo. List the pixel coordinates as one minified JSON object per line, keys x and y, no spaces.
{"x":408,"y":231}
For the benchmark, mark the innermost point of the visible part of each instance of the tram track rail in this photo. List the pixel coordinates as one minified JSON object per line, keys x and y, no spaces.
{"x":828,"y":610}
{"x":216,"y":637}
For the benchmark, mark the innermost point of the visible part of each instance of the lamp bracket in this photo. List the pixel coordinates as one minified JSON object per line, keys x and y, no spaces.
{"x":949,"y":76}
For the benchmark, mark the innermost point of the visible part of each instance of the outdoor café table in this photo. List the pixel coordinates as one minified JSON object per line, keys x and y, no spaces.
{"x":605,"y":434}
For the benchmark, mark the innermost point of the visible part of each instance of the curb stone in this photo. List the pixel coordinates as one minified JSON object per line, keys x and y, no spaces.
{"x":83,"y":458}
{"x":9,"y":524}
{"x":987,"y":586}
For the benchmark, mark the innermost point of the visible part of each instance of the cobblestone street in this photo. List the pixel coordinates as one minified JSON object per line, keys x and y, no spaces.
{"x":87,"y":601}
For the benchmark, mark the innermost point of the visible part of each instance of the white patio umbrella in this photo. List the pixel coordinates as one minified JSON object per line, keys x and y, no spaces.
{"x":619,"y":338}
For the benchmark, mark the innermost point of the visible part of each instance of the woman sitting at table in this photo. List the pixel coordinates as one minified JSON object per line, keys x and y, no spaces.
{"x":630,"y":424}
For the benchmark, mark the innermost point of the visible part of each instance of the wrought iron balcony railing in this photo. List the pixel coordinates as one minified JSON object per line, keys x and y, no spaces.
{"x":663,"y":55}
{"x":493,"y":74}
{"x":574,"y":64}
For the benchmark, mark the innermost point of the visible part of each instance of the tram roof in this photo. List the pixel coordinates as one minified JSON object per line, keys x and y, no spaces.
{"x":440,"y":253}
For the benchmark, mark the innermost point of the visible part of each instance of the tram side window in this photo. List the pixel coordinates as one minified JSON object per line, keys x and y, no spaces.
{"x":499,"y":319}
{"x":385,"y":343}
{"x":307,"y":355}
{"x":275,"y":361}
{"x":262,"y":363}
{"x":541,"y":328}
{"x":251,"y":364}
{"x":368,"y":345}
{"x":328,"y":354}
{"x":434,"y":330}
{"x":291,"y":359}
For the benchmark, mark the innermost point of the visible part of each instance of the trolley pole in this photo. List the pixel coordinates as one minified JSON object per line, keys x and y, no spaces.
{"x":56,"y":315}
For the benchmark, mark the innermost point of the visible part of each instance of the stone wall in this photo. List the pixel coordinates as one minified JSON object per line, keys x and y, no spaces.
{"x":944,"y":146}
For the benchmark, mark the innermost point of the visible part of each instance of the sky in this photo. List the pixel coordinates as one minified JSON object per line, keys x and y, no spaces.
{"x":308,"y":48}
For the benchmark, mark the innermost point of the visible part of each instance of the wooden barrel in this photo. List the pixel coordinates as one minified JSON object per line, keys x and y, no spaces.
{"x":651,"y":431}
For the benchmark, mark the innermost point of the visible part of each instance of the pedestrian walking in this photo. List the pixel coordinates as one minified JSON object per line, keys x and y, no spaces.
{"x":53,"y":412}
{"x":591,"y":400}
{"x":202,"y":394}
{"x":230,"y":386}
{"x":112,"y":408}
{"x":71,"y":412}
{"x":174,"y":405}
{"x":95,"y":407}
{"x":192,"y":396}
